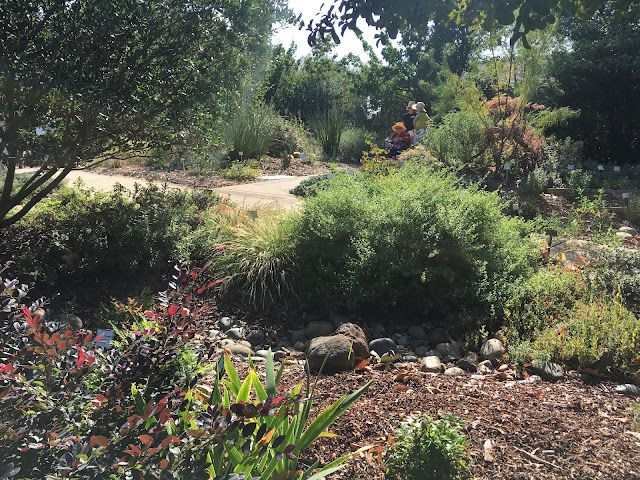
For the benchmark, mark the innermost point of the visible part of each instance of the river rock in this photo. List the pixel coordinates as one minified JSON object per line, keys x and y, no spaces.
{"x":355,"y":333}
{"x":628,"y":389}
{"x":337,"y":350}
{"x":238,"y":349}
{"x":431,"y":364}
{"x":256,"y":337}
{"x":72,"y":320}
{"x":319,"y":328}
{"x":624,"y":236}
{"x":452,"y":350}
{"x":383,"y":345}
{"x":485,"y":367}
{"x":630,"y":230}
{"x":437,"y":335}
{"x":416,"y":332}
{"x":225,"y":323}
{"x":262,"y":353}
{"x":547,"y":370}
{"x":235,"y":333}
{"x":422,"y":351}
{"x":492,"y":349}
{"x":469,"y":362}
{"x":299,"y":346}
{"x":453,"y":371}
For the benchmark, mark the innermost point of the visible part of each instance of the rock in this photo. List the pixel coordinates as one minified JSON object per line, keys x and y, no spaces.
{"x":356,"y":334}
{"x":485,"y":367}
{"x":503,"y":368}
{"x":262,"y":353}
{"x":296,"y":335}
{"x":235,"y":333}
{"x":338,"y":319}
{"x":72,"y":320}
{"x":402,"y":340}
{"x":379,"y":328}
{"x":245,"y":343}
{"x":278,"y":355}
{"x":630,"y":230}
{"x":453,"y":371}
{"x":300,"y":346}
{"x":438,"y":335}
{"x":337,"y":351}
{"x":469,"y":362}
{"x":318,"y":329}
{"x":433,"y":353}
{"x":40,"y":311}
{"x":238,"y":349}
{"x":422,"y":351}
{"x":628,"y":389}
{"x":256,"y":337}
{"x":213,"y":333}
{"x":416,"y":332}
{"x":225,"y":342}
{"x":225,"y":323}
{"x":273,"y":335}
{"x":418,"y":343}
{"x":383,"y":345}
{"x":410,"y":358}
{"x":624,"y":236}
{"x":431,"y":364}
{"x":492,"y":349}
{"x":450,"y":349}
{"x":547,"y":370}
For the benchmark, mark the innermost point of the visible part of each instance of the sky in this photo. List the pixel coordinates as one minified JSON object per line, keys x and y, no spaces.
{"x":309,"y":9}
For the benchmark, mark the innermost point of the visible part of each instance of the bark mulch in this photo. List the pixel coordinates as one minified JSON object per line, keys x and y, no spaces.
{"x":541,"y":430}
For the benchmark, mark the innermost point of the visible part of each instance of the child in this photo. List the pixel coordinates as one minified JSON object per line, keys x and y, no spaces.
{"x":400,"y":140}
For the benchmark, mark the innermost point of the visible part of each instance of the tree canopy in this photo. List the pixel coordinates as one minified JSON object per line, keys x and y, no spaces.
{"x":84,"y":78}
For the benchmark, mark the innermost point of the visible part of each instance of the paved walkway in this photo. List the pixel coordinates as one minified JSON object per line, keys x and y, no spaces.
{"x":258,"y":193}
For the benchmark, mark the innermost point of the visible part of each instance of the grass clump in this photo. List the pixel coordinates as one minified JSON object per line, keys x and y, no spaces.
{"x":428,"y":448}
{"x":327,"y":127}
{"x":239,"y":171}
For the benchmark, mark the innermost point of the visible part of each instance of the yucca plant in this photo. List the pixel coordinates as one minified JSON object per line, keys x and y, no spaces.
{"x":261,"y":261}
{"x":327,"y":127}
{"x":252,"y":131}
{"x":281,"y":423}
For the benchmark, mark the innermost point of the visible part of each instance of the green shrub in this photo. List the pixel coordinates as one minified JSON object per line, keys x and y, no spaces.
{"x":459,"y":141}
{"x":327,"y":127}
{"x":78,"y":234}
{"x":310,"y":186}
{"x":618,"y":271}
{"x":633,"y":210}
{"x":579,"y":179}
{"x":535,"y":182}
{"x":352,"y":144}
{"x":239,"y":171}
{"x":254,"y":131}
{"x":413,"y":240}
{"x":425,"y":448}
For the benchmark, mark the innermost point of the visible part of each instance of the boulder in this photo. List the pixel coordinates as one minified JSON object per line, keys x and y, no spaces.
{"x":452,"y":350}
{"x":628,"y":389}
{"x":547,"y":370}
{"x":338,"y":319}
{"x":438,"y":335}
{"x":422,"y":351}
{"x":336,"y":349}
{"x":416,"y":332}
{"x":453,"y":371}
{"x":356,"y":334}
{"x":238,"y":349}
{"x":485,"y":367}
{"x":469,"y":362}
{"x":492,"y":349}
{"x":225,"y":323}
{"x":318,"y":329}
{"x":627,"y":237}
{"x":630,"y":230}
{"x":235,"y":333}
{"x":431,"y":364}
{"x":383,"y":345}
{"x":72,"y":320}
{"x":256,"y":337}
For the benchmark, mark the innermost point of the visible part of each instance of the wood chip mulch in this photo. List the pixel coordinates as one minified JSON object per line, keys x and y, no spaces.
{"x":541,"y":430}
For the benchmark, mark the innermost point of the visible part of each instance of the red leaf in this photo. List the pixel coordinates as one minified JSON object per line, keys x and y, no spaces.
{"x":193,"y":274}
{"x":361,"y":366}
{"x":145,"y":439}
{"x":172,"y":309}
{"x":201,"y":289}
{"x":99,"y":440}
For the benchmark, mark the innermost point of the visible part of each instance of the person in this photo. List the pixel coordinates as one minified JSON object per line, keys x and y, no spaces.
{"x":421,"y":121}
{"x":400,"y":140}
{"x":409,"y":116}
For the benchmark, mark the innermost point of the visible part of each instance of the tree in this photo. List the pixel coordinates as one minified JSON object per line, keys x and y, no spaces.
{"x":393,"y":16}
{"x":87,"y":78}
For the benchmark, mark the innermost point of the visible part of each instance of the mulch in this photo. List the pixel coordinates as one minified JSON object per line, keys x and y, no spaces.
{"x":541,"y":430}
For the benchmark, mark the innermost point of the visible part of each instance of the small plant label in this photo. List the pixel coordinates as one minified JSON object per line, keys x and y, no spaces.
{"x":302,"y":155}
{"x":400,"y":164}
{"x":571,"y":167}
{"x":507,"y":166}
{"x":350,"y":172}
{"x":626,"y":195}
{"x":329,"y":175}
{"x":516,"y":207}
{"x":616,"y":168}
{"x":252,"y":214}
{"x":238,"y":166}
{"x":600,"y":168}
{"x":241,"y":153}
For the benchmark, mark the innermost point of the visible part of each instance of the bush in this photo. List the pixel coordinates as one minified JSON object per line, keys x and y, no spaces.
{"x":427,"y":448}
{"x":460,"y":141}
{"x":633,"y":210}
{"x":78,"y":234}
{"x":327,"y":127}
{"x":240,"y":172}
{"x":312,"y":185}
{"x":352,"y":145}
{"x":535,"y":182}
{"x":579,"y":179}
{"x":254,"y":131}
{"x":413,"y":240}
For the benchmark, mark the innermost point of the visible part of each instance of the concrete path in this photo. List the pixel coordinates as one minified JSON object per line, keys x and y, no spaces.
{"x":250,"y":194}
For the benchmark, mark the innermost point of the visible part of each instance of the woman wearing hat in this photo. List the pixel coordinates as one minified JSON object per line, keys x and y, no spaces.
{"x":400,"y":140}
{"x":421,"y":121}
{"x":409,"y":116}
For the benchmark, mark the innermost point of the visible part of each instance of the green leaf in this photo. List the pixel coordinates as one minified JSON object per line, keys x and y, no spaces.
{"x":232,"y":374}
{"x":270,"y":380}
{"x":137,"y":399}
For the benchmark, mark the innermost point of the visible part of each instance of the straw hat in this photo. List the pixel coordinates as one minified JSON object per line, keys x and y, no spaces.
{"x":411,"y":104}
{"x":399,"y":127}
{"x":419,"y":107}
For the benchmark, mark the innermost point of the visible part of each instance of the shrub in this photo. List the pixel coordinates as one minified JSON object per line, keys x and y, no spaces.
{"x":460,"y":140}
{"x":413,"y":240}
{"x":633,"y":210}
{"x":618,"y":271}
{"x":327,"y":127}
{"x":579,"y":179}
{"x":240,"y":172}
{"x":254,"y":130}
{"x":428,"y":448}
{"x":535,"y":182}
{"x":352,"y":144}
{"x":312,"y":185}
{"x":80,"y":234}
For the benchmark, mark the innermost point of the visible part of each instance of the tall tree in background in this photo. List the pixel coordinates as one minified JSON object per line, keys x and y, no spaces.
{"x":85,"y":78}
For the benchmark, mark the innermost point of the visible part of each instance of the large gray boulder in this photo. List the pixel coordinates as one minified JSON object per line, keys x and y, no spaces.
{"x":360,"y":347}
{"x":492,"y":349}
{"x":337,"y":349}
{"x":318,"y":329}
